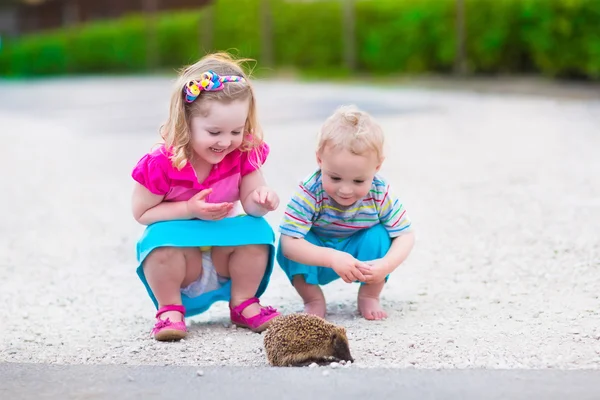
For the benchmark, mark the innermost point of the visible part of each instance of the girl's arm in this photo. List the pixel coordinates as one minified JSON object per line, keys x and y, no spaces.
{"x":249,"y":184}
{"x":149,"y":208}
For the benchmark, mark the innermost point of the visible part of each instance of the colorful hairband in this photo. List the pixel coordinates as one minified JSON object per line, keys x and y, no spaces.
{"x":210,"y":82}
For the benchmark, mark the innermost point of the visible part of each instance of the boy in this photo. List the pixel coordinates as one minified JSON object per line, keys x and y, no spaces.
{"x":343,"y":221}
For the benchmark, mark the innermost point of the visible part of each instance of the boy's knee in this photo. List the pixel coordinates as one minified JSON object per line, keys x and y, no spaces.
{"x":376,"y":237}
{"x":378,"y":231}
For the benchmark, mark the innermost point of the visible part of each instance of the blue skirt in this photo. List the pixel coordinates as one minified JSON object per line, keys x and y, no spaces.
{"x":237,"y":231}
{"x":365,"y":245}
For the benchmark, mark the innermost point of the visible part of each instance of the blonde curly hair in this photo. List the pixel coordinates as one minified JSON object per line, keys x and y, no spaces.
{"x":176,"y":131}
{"x":352,"y":129}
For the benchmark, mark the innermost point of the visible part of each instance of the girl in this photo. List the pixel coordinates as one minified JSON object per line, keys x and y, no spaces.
{"x":202,"y":196}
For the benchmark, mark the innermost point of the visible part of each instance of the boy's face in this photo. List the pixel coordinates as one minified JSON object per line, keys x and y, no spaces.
{"x":347,"y":177}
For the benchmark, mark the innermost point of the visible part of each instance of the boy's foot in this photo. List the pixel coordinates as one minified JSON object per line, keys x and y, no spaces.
{"x":370,"y":308}
{"x":312,"y":295}
{"x":316,"y":307}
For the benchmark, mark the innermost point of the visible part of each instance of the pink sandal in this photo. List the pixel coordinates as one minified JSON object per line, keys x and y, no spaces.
{"x":257,"y":323}
{"x":165,"y":330}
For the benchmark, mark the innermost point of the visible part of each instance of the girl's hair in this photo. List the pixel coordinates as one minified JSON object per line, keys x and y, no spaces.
{"x":351,"y":129}
{"x":176,"y":131}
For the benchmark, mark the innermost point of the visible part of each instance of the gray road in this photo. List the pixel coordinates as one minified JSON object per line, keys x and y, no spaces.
{"x":36,"y":382}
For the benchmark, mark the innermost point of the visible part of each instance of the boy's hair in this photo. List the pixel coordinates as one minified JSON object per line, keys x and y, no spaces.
{"x":176,"y":130}
{"x":351,"y":129}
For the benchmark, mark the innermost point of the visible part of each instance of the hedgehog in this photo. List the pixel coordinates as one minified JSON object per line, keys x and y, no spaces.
{"x":301,"y":339}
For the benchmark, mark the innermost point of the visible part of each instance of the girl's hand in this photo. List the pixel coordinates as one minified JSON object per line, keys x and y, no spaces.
{"x":198,"y":208}
{"x":266,"y":198}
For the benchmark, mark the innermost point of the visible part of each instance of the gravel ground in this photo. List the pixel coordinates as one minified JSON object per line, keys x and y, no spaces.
{"x":504,"y":191}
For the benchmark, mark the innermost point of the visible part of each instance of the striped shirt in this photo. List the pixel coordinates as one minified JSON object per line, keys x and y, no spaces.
{"x":311,"y":209}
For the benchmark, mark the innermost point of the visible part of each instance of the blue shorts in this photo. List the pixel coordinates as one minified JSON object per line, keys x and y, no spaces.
{"x":365,"y":245}
{"x":236,"y":231}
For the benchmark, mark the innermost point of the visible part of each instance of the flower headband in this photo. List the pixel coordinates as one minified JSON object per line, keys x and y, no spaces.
{"x":210,"y":82}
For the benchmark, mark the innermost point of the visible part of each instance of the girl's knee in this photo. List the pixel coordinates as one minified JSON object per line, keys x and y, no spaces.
{"x":255,"y":249}
{"x":162,"y":255}
{"x":165,"y":266}
{"x":249,"y":250}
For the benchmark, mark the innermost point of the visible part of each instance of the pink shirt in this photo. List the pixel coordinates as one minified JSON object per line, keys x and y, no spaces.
{"x":155,"y":172}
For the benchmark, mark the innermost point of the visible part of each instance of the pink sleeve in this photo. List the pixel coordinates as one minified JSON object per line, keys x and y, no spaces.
{"x":249,"y":158}
{"x":150,"y":173}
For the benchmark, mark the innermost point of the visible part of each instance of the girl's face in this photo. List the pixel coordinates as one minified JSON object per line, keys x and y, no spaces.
{"x":221,"y":131}
{"x":347,"y":177}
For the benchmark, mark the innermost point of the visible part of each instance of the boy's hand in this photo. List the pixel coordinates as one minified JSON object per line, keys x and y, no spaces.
{"x":347,"y":267}
{"x":199,"y":208}
{"x":377,"y":272}
{"x":266,"y":198}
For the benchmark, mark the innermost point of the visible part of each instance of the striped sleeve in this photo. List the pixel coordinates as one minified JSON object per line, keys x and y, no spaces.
{"x":392,"y":213}
{"x":299,"y":213}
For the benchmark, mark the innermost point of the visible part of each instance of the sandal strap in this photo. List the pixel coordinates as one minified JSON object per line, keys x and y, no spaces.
{"x":238,"y":309}
{"x":170,"y":307}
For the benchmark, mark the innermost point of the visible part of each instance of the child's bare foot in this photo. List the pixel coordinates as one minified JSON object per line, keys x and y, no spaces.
{"x":316,"y":307}
{"x":312,"y":295}
{"x":368,"y":301}
{"x":370,"y":308}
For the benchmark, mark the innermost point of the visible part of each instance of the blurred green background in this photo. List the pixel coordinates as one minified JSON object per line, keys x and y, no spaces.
{"x":555,"y":38}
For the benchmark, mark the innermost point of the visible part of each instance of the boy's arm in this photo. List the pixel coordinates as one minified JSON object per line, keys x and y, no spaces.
{"x":149,"y":208}
{"x":399,"y":251}
{"x":297,"y":221}
{"x":394,"y":217}
{"x":304,"y":252}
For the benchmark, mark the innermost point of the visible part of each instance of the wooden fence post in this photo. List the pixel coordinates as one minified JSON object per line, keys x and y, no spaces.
{"x":70,"y":18}
{"x":150,"y":8}
{"x":348,"y":32}
{"x":266,"y":33}
{"x":70,"y":13}
{"x":460,"y":60}
{"x":206,"y":28}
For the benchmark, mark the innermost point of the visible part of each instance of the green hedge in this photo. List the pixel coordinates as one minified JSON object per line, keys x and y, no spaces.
{"x":406,"y":35}
{"x":552,"y":37}
{"x":308,"y":34}
{"x":563,"y":37}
